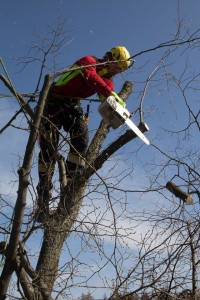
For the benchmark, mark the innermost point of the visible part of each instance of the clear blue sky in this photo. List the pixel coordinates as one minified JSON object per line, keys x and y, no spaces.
{"x":94,"y":27}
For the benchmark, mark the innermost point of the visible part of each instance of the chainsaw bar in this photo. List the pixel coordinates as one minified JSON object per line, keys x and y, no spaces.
{"x":136,"y":130}
{"x":116,"y":115}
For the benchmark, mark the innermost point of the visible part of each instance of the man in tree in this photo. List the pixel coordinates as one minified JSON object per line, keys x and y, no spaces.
{"x":88,"y":75}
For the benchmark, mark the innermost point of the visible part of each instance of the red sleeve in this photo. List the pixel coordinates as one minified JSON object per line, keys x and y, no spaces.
{"x":92,"y":79}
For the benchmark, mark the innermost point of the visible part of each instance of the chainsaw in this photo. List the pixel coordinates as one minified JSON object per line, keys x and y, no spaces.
{"x":116,"y":115}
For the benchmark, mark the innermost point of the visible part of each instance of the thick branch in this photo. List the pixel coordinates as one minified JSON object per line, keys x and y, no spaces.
{"x":37,"y":281}
{"x":112,"y":148}
{"x":178,"y":192}
{"x":25,"y":282}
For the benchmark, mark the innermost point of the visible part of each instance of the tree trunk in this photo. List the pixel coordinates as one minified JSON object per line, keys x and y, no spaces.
{"x":57,"y":229}
{"x":58,"y":225}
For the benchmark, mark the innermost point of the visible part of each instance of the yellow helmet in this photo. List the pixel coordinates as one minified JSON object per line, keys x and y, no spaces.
{"x":120,"y":53}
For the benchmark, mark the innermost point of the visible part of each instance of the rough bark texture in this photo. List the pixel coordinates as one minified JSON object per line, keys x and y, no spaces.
{"x":57,"y":227}
{"x":178,"y":192}
{"x":58,"y":224}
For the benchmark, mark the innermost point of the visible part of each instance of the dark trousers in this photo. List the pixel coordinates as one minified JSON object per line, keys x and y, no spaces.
{"x":66,"y":114}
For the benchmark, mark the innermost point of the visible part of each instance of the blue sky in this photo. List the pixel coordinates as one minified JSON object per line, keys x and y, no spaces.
{"x":94,"y":27}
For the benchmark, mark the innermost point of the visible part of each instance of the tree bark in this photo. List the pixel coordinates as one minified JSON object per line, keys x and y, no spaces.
{"x":178,"y":192}
{"x":57,"y":229}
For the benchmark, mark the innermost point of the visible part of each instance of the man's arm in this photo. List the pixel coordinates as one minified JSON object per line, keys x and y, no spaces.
{"x":92,"y":79}
{"x":101,"y":86}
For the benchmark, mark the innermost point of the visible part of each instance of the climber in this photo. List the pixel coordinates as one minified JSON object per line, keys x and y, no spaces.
{"x":88,"y":75}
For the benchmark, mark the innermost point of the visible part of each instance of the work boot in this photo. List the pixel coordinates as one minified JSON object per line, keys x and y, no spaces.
{"x":43,"y":198}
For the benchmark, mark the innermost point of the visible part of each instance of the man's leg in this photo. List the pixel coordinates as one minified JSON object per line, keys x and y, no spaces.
{"x":79,"y":142}
{"x":46,"y":161}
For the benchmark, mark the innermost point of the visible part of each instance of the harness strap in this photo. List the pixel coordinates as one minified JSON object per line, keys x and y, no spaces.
{"x":66,"y":77}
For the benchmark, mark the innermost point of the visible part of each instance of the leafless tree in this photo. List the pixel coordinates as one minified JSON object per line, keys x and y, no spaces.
{"x":89,"y":209}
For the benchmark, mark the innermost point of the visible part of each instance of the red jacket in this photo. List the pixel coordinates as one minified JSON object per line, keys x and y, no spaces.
{"x":85,"y":82}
